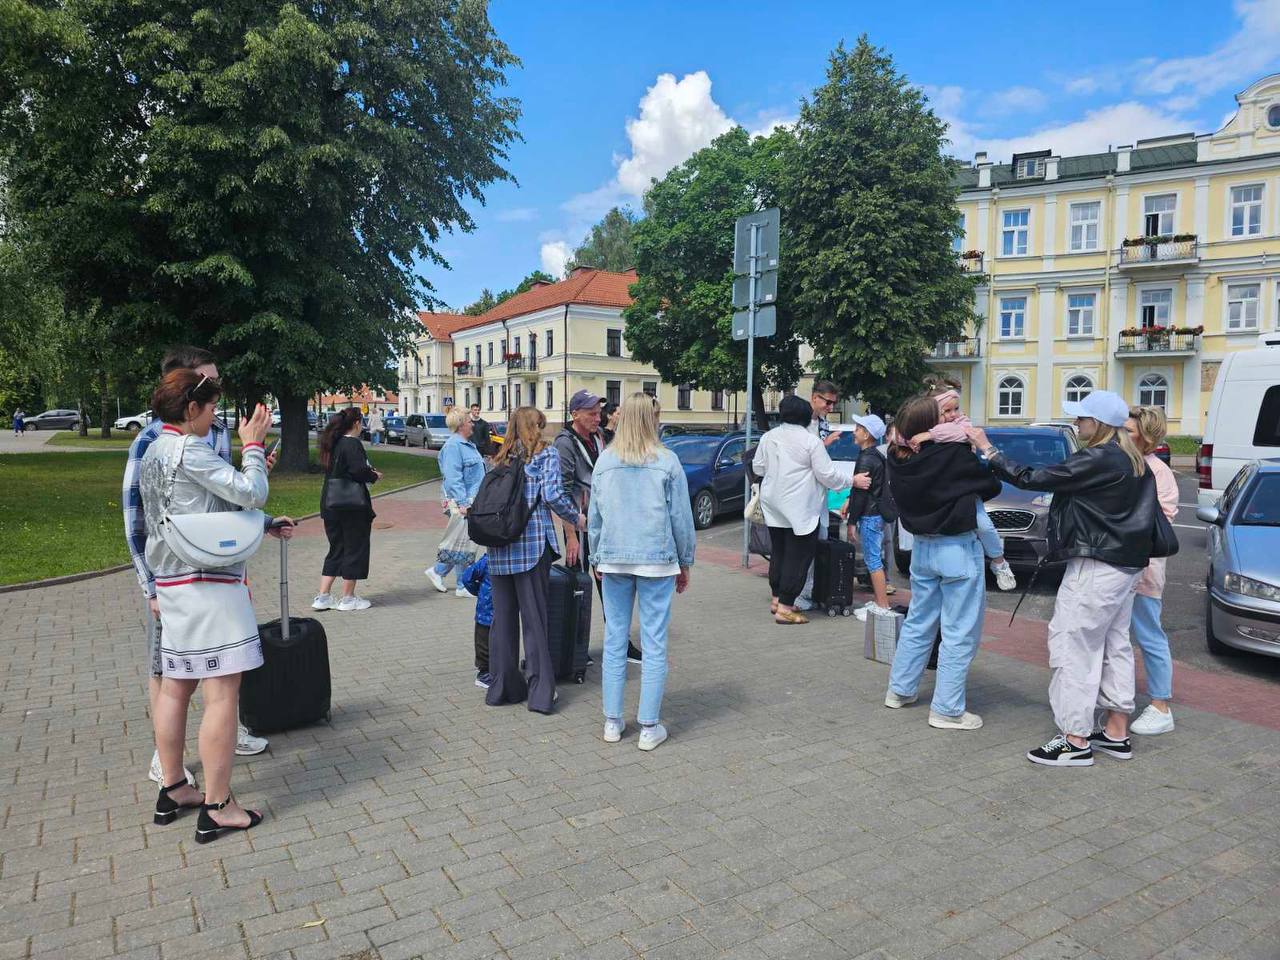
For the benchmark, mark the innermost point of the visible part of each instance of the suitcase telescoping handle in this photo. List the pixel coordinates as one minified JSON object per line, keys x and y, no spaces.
{"x":284,"y":588}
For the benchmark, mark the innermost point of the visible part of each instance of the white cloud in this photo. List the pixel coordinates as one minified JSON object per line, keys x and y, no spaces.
{"x":677,"y":118}
{"x":767,"y":121}
{"x":1245,"y":55}
{"x":516,"y":215}
{"x":555,"y":257}
{"x":1015,"y":100}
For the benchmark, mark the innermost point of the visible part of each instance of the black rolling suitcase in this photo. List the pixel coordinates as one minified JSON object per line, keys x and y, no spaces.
{"x":569,"y":622}
{"x":937,"y":639}
{"x":833,"y":572}
{"x":292,"y":687}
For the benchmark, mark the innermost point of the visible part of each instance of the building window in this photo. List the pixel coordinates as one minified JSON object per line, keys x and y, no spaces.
{"x":491,"y":398}
{"x":466,"y":355}
{"x":503,"y":388}
{"x":1084,"y":225}
{"x":1153,"y":391}
{"x":1242,"y":306}
{"x":515,"y":349}
{"x":1246,"y":210}
{"x":1014,"y":237}
{"x":957,"y":242}
{"x":1273,"y":116}
{"x":550,"y":341}
{"x":684,"y":397}
{"x":1013,"y":318}
{"x":1078,"y":387}
{"x":717,"y":399}
{"x":491,"y":363}
{"x":427,"y":365}
{"x":613,"y":343}
{"x":466,"y":397}
{"x":613,"y":391}
{"x":1080,"y":309}
{"x":1157,"y":214}
{"x":533,"y":348}
{"x":516,"y":395}
{"x":551,"y":395}
{"x":650,"y":387}
{"x":503,"y":348}
{"x":1028,"y":168}
{"x":428,"y":403}
{"x":1009,"y":397}
{"x":1156,"y":308}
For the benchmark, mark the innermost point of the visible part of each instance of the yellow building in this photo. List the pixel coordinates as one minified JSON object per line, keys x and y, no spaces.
{"x":1135,"y":270}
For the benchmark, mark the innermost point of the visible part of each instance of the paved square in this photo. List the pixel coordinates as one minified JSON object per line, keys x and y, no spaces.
{"x":789,"y":815}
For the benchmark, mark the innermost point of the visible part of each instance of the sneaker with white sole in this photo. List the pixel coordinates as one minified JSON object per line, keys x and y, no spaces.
{"x":895,"y":701}
{"x":1005,"y":579}
{"x":462,"y":592}
{"x":247,"y":745}
{"x":966,"y":721}
{"x":613,"y":730}
{"x":652,"y":736}
{"x":437,"y":581}
{"x":323,"y":601}
{"x":871,"y":607}
{"x":1152,"y":722}
{"x":1120,"y":749}
{"x":156,"y":773}
{"x":483,"y":680}
{"x":1061,"y":752}
{"x":347,"y":604}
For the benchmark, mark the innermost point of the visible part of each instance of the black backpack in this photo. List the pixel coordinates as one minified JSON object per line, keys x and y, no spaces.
{"x":499,"y":513}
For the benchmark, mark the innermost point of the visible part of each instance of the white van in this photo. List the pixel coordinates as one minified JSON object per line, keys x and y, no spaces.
{"x":1244,"y":417}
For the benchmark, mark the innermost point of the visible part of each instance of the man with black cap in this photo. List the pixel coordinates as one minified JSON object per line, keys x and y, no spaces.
{"x":580,"y":444}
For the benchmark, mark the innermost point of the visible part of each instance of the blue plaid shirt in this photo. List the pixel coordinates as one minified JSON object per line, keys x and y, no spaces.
{"x":542,"y":477}
{"x":135,"y":524}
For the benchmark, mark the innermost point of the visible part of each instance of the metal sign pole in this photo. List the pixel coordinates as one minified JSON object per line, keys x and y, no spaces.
{"x":750,"y":405}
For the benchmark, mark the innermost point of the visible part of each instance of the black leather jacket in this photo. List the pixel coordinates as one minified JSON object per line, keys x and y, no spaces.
{"x":1099,"y":510}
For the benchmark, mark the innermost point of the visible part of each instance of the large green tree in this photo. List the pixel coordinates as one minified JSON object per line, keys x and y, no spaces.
{"x":869,"y":205}
{"x":610,"y":244}
{"x":681,"y":320}
{"x":488,"y":300}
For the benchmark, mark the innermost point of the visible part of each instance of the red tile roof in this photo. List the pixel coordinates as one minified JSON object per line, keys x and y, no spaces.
{"x":442,"y":325}
{"x":596,"y":287}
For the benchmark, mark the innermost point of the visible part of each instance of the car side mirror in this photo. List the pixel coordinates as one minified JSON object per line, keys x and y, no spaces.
{"x":725,"y":463}
{"x":1209,"y":515}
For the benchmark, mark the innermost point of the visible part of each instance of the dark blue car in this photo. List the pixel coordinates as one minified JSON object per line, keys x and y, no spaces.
{"x":713,"y":466}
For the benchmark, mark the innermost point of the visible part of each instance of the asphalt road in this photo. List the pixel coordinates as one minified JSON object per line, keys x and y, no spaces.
{"x":1184,"y":595}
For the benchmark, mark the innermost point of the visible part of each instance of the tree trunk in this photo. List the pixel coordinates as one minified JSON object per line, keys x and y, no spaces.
{"x":294,"y":454}
{"x":757,"y":405}
{"x":83,"y":427}
{"x":104,"y":404}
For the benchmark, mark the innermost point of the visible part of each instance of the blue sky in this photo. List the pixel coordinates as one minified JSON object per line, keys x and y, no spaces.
{"x":615,"y":93}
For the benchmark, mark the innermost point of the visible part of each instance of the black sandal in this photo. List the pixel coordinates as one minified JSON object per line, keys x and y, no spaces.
{"x":209,"y":829}
{"x":167,"y":809}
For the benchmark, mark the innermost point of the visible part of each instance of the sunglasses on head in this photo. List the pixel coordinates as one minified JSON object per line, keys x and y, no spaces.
{"x":203,"y":380}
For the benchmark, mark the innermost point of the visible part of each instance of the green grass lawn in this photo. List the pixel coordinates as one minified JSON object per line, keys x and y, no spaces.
{"x":120,"y":440}
{"x":1184,"y":446}
{"x":60,"y":512}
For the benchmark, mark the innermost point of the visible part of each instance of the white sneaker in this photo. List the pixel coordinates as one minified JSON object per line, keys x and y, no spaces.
{"x":347,"y":604}
{"x":1005,"y":579}
{"x":323,"y":601}
{"x":895,"y":701}
{"x":613,"y":730}
{"x":247,"y":745}
{"x":966,"y":721}
{"x":156,"y":773}
{"x":871,"y":607}
{"x":462,"y":592}
{"x":652,"y":737}
{"x":1152,"y":721}
{"x":437,"y":581}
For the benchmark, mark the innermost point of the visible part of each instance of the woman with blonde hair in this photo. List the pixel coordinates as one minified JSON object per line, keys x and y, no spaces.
{"x":1101,"y":522}
{"x":1147,"y":427}
{"x":520,"y":572}
{"x":462,"y":469}
{"x":642,"y":543}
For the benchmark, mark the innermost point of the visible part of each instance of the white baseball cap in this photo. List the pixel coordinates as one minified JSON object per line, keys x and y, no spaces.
{"x":872,"y":424}
{"x":1101,"y":405}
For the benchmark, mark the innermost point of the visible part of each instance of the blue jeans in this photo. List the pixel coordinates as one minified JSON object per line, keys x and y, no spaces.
{"x":871,"y":532}
{"x":947,"y":585}
{"x":992,"y":545}
{"x":376,"y":437}
{"x":620,"y":594}
{"x":442,"y":571}
{"x":1154,"y":644}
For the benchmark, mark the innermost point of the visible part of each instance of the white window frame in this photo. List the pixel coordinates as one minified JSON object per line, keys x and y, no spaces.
{"x":1092,"y":314}
{"x":1007,"y":232}
{"x":1245,"y":206}
{"x":1273,"y":109}
{"x":1242,"y":324}
{"x":1142,"y":292}
{"x":1020,"y":390}
{"x":1085,"y":244}
{"x":1021,"y":331}
{"x":549,"y":394}
{"x":1149,"y":401}
{"x":957,"y":242}
{"x":1068,"y":389}
{"x":1171,"y":214}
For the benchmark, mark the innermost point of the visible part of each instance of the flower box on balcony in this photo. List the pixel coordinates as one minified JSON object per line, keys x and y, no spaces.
{"x":461,"y":364}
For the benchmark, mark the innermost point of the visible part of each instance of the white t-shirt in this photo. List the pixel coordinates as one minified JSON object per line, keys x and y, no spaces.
{"x":797,"y":473}
{"x":641,"y":569}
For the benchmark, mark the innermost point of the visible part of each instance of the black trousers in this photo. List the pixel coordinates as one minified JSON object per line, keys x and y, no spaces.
{"x":520,"y":607}
{"x":348,"y":532}
{"x":789,"y":562}
{"x":482,"y":648}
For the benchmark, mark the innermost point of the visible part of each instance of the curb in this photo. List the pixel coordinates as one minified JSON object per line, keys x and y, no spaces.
{"x":108,"y":571}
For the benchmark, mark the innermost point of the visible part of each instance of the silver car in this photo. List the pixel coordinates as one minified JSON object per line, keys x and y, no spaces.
{"x":1243,"y":606}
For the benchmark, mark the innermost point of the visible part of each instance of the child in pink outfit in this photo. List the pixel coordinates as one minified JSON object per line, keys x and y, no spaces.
{"x":954,"y":429}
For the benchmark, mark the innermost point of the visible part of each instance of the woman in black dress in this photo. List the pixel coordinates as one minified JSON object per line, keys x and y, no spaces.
{"x":346,"y":509}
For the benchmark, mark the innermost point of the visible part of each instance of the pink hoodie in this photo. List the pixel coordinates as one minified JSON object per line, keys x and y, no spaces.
{"x":953,"y":432}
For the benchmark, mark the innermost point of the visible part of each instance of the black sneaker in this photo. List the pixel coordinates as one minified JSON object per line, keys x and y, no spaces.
{"x":633,"y":655}
{"x":1120,"y":749}
{"x":1061,"y":752}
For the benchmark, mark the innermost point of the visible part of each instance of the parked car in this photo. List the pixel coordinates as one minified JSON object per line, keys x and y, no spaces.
{"x":425,"y":430}
{"x":134,"y":423}
{"x":1021,"y":517}
{"x":313,"y":420}
{"x":275,"y":418}
{"x":55,"y":420}
{"x":395,"y":428}
{"x":1243,"y":605}
{"x":1243,"y":424}
{"x":1163,"y":454}
{"x":713,"y":466}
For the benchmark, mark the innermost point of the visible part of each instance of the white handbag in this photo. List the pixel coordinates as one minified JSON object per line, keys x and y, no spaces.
{"x":753,"y":511}
{"x":210,"y":540}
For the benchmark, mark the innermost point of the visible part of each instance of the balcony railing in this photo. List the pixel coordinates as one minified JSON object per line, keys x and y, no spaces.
{"x":971,"y":261}
{"x":528,"y":364}
{"x":1153,"y":251}
{"x":466,"y":370}
{"x":969,"y":348}
{"x":1163,"y":342}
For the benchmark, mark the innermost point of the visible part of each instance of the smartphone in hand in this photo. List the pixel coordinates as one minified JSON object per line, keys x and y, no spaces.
{"x":272,"y":449}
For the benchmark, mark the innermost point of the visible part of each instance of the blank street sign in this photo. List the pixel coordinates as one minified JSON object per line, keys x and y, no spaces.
{"x":769,"y":244}
{"x":766,"y":323}
{"x":766,"y":289}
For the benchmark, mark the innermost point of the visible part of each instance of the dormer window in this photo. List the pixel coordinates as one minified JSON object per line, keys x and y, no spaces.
{"x":1029,"y":166}
{"x":1273,"y":116}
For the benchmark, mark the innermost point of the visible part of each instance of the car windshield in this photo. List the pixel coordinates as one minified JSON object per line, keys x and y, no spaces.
{"x":1030,"y":449}
{"x":844,"y":447}
{"x":693,"y":451}
{"x":1262,"y":507}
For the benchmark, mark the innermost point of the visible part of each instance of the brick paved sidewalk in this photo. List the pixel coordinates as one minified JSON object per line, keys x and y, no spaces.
{"x":789,"y":815}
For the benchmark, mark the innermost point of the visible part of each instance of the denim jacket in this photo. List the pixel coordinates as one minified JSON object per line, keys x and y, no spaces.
{"x":640,"y":514}
{"x":463,"y":469}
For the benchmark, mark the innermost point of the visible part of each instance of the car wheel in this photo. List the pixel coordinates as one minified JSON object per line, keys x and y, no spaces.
{"x":1216,"y":646}
{"x":704,"y":509}
{"x":135,"y":427}
{"x":901,"y":558}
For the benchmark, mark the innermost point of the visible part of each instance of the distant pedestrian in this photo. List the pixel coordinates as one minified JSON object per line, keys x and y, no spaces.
{"x":609,"y":414}
{"x":1147,"y":427}
{"x":1101,"y":522}
{"x":823,"y":400}
{"x":462,"y":468}
{"x":863,"y":510}
{"x":376,"y":426}
{"x":347,"y":511}
{"x":482,"y":433}
{"x":477,"y":583}
{"x":642,"y":546}
{"x":19,"y":422}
